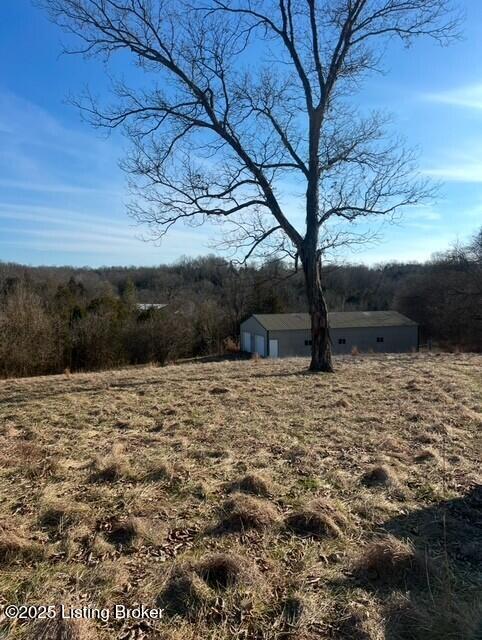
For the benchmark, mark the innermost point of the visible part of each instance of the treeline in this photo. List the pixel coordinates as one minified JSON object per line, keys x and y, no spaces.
{"x":53,"y":319}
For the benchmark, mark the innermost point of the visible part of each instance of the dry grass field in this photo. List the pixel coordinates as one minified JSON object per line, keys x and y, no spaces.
{"x":247,"y":500}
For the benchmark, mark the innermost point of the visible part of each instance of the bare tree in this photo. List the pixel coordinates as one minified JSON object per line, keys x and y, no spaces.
{"x":246,"y":101}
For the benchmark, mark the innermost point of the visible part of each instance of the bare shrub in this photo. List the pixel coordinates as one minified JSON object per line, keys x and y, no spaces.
{"x":28,"y":344}
{"x":159,"y":336}
{"x":231,"y":346}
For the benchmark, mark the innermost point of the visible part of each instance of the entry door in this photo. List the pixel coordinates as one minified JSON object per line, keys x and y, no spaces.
{"x":246,"y":341}
{"x":259,"y":345}
{"x":273,"y":348}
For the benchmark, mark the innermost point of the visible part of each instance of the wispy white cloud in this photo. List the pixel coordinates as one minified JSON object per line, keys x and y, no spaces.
{"x":52,"y":231}
{"x":26,"y":123}
{"x":63,"y":217}
{"x":468,"y":96}
{"x":458,"y":162}
{"x":56,"y":187}
{"x":59,"y":235}
{"x":39,"y":153}
{"x":470,"y":172}
{"x":58,"y":248}
{"x":128,"y":251}
{"x":420,"y":213}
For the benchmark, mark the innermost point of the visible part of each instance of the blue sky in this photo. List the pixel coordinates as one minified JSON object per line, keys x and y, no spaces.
{"x":62,"y":195}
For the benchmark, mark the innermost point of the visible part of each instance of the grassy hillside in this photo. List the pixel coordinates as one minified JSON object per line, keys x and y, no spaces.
{"x":248,"y":500}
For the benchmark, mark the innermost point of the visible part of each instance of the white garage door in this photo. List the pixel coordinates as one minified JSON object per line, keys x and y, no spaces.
{"x":259,"y":345}
{"x":246,"y":346}
{"x":273,"y":348}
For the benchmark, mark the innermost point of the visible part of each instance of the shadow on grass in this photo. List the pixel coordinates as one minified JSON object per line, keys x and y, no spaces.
{"x":426,"y":570}
{"x":452,"y":527}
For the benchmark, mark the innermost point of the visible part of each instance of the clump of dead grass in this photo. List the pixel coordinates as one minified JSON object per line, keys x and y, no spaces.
{"x":76,"y":539}
{"x":36,"y":461}
{"x":360,"y":622}
{"x":428,"y":455}
{"x":160,"y":470}
{"x":157,"y":470}
{"x":380,"y":476}
{"x":29,"y":433}
{"x":215,"y":453}
{"x":319,"y":518}
{"x":105,"y":581}
{"x":222,"y":570}
{"x":122,"y":423}
{"x":298,"y":454}
{"x":60,"y":629}
{"x":216,"y":391}
{"x":242,"y":512}
{"x":60,"y":513}
{"x":15,"y":547}
{"x":100,"y":548}
{"x":252,"y":483}
{"x":391,"y":562}
{"x":130,"y":533}
{"x":184,"y":594}
{"x":112,"y":467}
{"x":292,"y":609}
{"x":51,"y":467}
{"x":374,"y":508}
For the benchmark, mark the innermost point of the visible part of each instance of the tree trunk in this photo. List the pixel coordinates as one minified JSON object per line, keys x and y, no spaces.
{"x":311,"y":258}
{"x":320,"y":332}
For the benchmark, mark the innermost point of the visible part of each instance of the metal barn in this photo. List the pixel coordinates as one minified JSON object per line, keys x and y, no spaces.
{"x":278,"y":335}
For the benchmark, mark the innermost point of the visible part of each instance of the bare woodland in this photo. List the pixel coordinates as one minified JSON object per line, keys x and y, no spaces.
{"x":57,"y":318}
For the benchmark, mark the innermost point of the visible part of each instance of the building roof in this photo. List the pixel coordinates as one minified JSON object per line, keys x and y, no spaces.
{"x":337,"y":319}
{"x":145,"y":306}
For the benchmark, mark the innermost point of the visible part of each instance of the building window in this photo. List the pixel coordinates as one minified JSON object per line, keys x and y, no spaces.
{"x":341,"y":340}
{"x":308,"y":343}
{"x":379,"y":339}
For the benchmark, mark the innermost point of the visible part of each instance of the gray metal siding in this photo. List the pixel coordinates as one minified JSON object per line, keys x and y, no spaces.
{"x":255,"y":329}
{"x":395,"y":340}
{"x":291,"y":343}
